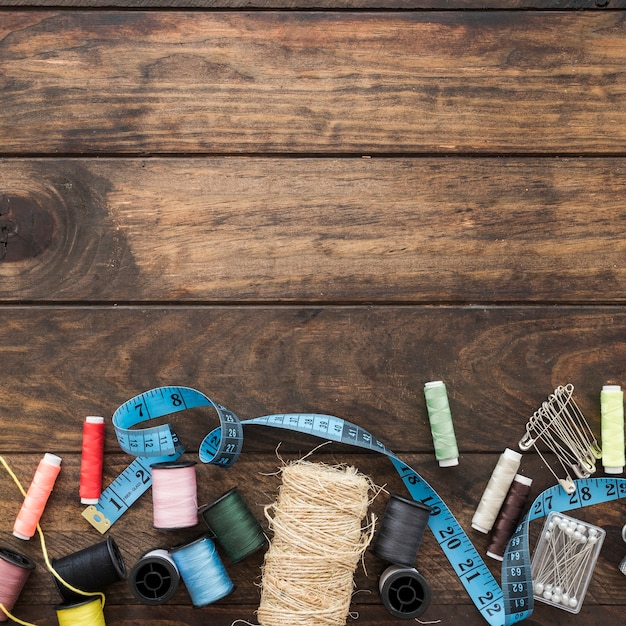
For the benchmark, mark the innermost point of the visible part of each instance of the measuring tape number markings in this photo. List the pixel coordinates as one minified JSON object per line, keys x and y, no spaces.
{"x":499,"y":606}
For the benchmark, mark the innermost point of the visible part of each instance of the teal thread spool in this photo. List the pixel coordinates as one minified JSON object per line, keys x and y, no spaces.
{"x":612,"y":424}
{"x":441,"y":427}
{"x":232,"y":524}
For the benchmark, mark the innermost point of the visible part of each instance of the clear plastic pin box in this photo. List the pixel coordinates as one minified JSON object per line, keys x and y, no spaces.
{"x":564,"y":559}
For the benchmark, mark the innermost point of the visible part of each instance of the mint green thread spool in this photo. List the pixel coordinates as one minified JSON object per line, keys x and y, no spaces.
{"x":612,"y":424}
{"x":441,"y":427}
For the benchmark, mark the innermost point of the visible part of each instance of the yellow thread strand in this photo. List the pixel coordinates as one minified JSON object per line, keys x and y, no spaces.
{"x":44,"y":551}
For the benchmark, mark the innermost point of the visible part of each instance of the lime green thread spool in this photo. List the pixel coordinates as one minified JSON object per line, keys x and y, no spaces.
{"x":232,"y":524}
{"x":612,"y":411}
{"x":441,"y":427}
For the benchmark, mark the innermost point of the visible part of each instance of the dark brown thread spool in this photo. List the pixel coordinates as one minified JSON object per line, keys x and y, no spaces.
{"x":401,"y":530}
{"x":509,"y":516}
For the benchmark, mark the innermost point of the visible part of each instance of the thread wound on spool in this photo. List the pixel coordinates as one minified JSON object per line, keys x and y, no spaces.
{"x":84,"y":613}
{"x":318,"y":539}
{"x":92,"y":459}
{"x":154,"y":578}
{"x":496,"y":490}
{"x":232,"y":524}
{"x":509,"y":516}
{"x":174,"y":495}
{"x":441,"y":426}
{"x":401,"y":530}
{"x":15,"y":569}
{"x":37,"y":496}
{"x":202,"y":571}
{"x":91,"y":569}
{"x":404,"y":591}
{"x":612,"y":429}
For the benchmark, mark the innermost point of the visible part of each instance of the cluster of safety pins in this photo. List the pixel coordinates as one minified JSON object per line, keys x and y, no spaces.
{"x":567,"y":549}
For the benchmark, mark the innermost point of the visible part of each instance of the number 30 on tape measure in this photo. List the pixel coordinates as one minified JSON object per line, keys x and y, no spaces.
{"x":499,"y":606}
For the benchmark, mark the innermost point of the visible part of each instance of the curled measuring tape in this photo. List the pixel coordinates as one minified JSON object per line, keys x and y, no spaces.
{"x":499,"y":606}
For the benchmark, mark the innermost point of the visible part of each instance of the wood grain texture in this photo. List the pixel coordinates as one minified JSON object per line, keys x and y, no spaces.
{"x":364,"y":364}
{"x":308,"y":5}
{"x":364,"y":83}
{"x":317,"y":230}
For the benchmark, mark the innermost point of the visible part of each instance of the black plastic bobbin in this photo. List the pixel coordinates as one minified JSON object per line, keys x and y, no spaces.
{"x":154,"y":578}
{"x":404,"y":591}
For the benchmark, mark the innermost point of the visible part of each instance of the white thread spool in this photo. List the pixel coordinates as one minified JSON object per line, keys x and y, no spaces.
{"x":612,"y":425}
{"x":496,"y":490}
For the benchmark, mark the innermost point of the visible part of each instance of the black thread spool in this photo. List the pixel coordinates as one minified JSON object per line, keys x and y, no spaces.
{"x":91,"y":569}
{"x":154,"y":579}
{"x":401,"y":530}
{"x":404,"y":591}
{"x":232,"y":524}
{"x":509,"y":516}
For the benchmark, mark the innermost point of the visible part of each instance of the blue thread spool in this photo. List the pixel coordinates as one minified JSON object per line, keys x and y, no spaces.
{"x":202,"y":571}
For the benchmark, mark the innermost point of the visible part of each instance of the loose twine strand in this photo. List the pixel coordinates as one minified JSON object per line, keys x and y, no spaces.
{"x":321,"y":530}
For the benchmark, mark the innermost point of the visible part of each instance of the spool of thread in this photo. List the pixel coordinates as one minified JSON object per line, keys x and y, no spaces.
{"x":154,"y":578}
{"x":612,"y":426}
{"x":202,"y":571}
{"x":174,"y":495}
{"x":15,"y":569}
{"x":441,"y":426}
{"x":91,"y":569}
{"x":318,"y":542}
{"x":496,"y":490}
{"x":85,"y":613}
{"x":401,"y":531}
{"x":509,"y":516}
{"x":232,"y":524}
{"x":37,"y":496}
{"x":92,"y":459}
{"x":404,"y":591}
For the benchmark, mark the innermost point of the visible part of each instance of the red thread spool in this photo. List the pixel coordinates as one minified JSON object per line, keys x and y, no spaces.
{"x":37,"y":496}
{"x":14,"y":572}
{"x":92,"y":459}
{"x":509,"y":516}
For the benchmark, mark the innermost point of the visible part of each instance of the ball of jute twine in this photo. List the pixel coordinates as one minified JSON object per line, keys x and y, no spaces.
{"x":320,"y":534}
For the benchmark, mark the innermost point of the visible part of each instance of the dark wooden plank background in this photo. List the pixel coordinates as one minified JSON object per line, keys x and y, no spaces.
{"x":308,"y":207}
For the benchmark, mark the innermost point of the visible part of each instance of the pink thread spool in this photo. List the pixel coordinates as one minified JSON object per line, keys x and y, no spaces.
{"x":174,"y":495}
{"x":14,"y":572}
{"x":37,"y":496}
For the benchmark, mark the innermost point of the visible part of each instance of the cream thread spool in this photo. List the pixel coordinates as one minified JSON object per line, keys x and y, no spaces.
{"x":496,"y":490}
{"x":612,"y":425}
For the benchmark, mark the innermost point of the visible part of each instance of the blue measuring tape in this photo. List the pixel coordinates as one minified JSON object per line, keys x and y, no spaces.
{"x":499,"y":606}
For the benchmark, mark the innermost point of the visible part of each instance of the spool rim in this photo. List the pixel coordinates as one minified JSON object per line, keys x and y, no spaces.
{"x":414,"y":503}
{"x":173,"y":464}
{"x":210,"y":505}
{"x":17,"y":559}
{"x":392,"y":575}
{"x":73,"y":605}
{"x":116,"y":557}
{"x":172,"y":572}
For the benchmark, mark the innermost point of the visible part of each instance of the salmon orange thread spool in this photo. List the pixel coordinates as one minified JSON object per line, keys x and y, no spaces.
{"x":37,"y":496}
{"x":92,"y":459}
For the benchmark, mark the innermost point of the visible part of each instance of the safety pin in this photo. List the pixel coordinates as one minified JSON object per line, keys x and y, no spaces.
{"x":561,"y":426}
